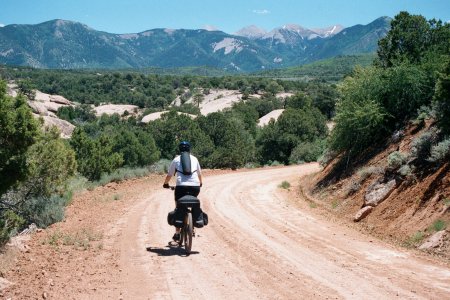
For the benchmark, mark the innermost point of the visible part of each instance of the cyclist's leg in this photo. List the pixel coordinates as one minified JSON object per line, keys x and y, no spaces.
{"x":179,"y":192}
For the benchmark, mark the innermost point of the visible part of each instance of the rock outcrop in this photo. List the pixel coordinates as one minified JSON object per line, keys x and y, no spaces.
{"x":362,"y":213}
{"x":119,"y":109}
{"x":157,"y":115}
{"x":64,"y":127}
{"x":434,"y":241}
{"x":376,"y":193}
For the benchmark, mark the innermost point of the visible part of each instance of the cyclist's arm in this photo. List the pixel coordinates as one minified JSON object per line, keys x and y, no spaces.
{"x":200,"y":178}
{"x":166,"y":181}
{"x":170,"y":172}
{"x":199,"y":171}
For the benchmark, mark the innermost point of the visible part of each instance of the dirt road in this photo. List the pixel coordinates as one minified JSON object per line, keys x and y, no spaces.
{"x":259,"y":245}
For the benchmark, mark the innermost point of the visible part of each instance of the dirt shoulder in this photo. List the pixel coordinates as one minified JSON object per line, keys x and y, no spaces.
{"x":71,"y":257}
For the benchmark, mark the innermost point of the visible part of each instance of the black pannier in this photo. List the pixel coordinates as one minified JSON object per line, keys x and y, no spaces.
{"x":200,"y":218}
{"x":171,"y":218}
{"x":175,"y":218}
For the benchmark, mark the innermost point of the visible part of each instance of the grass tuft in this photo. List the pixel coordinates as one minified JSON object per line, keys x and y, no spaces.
{"x":285,"y":185}
{"x":312,"y":205}
{"x":415,"y":239}
{"x":438,"y":225}
{"x":447,"y":201}
{"x":82,"y":239}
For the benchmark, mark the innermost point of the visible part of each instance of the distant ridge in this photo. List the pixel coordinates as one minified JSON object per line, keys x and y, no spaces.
{"x":71,"y":45}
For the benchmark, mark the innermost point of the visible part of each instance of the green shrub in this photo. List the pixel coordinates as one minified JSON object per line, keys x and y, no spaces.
{"x":327,"y":156}
{"x":396,"y":159}
{"x":50,"y":163}
{"x":160,"y":167}
{"x":440,"y":152}
{"x":307,"y":152}
{"x":122,"y":174}
{"x":10,"y":222}
{"x":275,"y":163}
{"x":353,"y":187}
{"x":405,"y":171}
{"x":285,"y":185}
{"x":95,"y":156}
{"x":421,"y":146}
{"x":423,"y":113}
{"x":45,"y":210}
{"x":365,"y":173}
{"x":251,"y":165}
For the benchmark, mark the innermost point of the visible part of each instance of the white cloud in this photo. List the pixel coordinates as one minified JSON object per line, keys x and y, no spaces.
{"x":261,"y":11}
{"x":210,"y":27}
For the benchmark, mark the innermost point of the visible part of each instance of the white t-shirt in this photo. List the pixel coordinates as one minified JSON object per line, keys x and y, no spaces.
{"x":185,"y":180}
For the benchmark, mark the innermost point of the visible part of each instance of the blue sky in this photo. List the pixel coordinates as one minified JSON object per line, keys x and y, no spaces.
{"x":132,"y":16}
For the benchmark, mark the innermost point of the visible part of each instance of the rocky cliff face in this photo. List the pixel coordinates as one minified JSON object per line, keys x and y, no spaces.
{"x":45,"y":106}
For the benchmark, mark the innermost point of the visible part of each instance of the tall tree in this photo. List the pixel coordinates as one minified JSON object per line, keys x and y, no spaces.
{"x":410,"y":38}
{"x":18,"y":131}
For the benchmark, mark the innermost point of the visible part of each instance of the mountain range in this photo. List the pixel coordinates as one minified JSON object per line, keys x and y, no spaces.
{"x":70,"y":45}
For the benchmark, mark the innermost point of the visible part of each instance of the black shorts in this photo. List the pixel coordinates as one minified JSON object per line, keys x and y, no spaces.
{"x":181,"y":191}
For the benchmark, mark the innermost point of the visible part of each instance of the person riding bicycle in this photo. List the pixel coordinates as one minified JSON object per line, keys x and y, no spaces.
{"x":189,"y":176}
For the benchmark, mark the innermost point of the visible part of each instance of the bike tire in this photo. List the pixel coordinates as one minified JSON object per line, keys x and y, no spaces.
{"x":188,"y":232}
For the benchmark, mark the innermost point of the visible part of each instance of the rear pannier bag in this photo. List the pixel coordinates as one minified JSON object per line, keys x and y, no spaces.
{"x":171,"y":218}
{"x":179,"y":215}
{"x":175,"y":218}
{"x":201,"y":219}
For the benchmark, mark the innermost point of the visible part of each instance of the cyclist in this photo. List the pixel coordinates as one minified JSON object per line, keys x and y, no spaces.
{"x":189,"y":176}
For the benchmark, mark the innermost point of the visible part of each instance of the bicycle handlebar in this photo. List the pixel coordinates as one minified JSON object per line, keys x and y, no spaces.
{"x":173,"y":188}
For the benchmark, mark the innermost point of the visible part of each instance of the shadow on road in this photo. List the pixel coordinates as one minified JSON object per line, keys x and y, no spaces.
{"x":170,"y":250}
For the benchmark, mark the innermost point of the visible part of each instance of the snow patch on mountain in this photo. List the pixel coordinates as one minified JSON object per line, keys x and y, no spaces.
{"x":277,"y":60}
{"x":235,"y":66}
{"x":229,"y":44}
{"x":7,"y":52}
{"x":328,"y":31}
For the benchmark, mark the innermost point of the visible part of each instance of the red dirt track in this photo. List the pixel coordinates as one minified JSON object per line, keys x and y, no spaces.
{"x":260,"y":244}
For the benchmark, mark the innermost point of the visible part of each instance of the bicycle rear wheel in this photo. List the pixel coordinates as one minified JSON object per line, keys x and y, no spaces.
{"x":188,"y":231}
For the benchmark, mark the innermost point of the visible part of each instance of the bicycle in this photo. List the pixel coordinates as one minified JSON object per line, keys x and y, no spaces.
{"x":186,"y":203}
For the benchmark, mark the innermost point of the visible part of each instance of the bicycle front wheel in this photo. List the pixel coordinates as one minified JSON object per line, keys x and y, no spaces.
{"x":188,"y":231}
